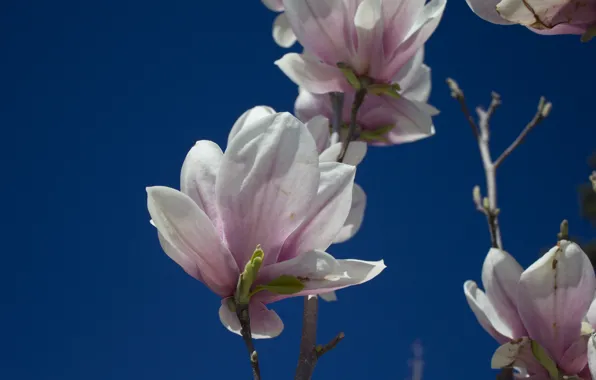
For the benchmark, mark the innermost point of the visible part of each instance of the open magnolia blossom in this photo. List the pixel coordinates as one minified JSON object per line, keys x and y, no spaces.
{"x":371,"y":40}
{"x":541,"y":16}
{"x":282,"y":30}
{"x":538,"y":314}
{"x":383,"y":120}
{"x":253,"y":223}
{"x":319,"y":129}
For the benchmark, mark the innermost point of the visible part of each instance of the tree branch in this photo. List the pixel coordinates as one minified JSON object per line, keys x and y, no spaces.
{"x":417,"y":363}
{"x":544,"y":108}
{"x":308,"y":358}
{"x":244,"y":318}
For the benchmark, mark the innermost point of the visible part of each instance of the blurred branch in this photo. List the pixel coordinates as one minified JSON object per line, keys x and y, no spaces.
{"x":244,"y":318}
{"x":416,"y":363}
{"x":481,"y":130}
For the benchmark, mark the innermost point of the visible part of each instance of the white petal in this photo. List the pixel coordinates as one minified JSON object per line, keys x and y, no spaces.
{"x":274,"y":5}
{"x":326,"y":213}
{"x":321,"y":272}
{"x":267,"y":183}
{"x":283,"y":34}
{"x":309,"y":105}
{"x":197,"y":178}
{"x":318,"y":127}
{"x":264,"y":323}
{"x":500,"y":276}
{"x":185,"y":226}
{"x":487,"y":10}
{"x":314,"y":76}
{"x":485,"y":313}
{"x":354,"y":155}
{"x":249,"y":117}
{"x":355,"y":217}
{"x":329,"y":297}
{"x":592,"y":355}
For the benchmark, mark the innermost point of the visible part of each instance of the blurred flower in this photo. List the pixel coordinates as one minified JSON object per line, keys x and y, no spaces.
{"x":253,"y":223}
{"x":282,"y":31}
{"x":537,"y":314}
{"x":373,"y":39}
{"x":383,"y":120}
{"x":540,"y":16}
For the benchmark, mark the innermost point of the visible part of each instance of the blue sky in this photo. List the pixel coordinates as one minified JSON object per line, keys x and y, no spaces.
{"x":101,"y":99}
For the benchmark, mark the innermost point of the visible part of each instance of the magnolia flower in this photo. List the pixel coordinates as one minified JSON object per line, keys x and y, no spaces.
{"x":540,"y":16}
{"x":319,"y":129}
{"x":383,"y":120}
{"x":253,"y":223}
{"x":282,"y":31}
{"x":537,"y":314}
{"x":373,"y":38}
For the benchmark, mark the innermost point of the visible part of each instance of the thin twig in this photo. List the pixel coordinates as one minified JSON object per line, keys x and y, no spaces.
{"x":358,"y":99}
{"x":488,"y":206}
{"x":541,"y":114}
{"x":244,"y":318}
{"x":321,"y":350}
{"x":337,"y":105}
{"x":308,"y":358}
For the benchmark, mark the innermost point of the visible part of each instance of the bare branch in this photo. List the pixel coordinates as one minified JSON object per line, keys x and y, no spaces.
{"x":544,"y":108}
{"x":244,"y":318}
{"x":458,"y":94}
{"x":321,"y":350}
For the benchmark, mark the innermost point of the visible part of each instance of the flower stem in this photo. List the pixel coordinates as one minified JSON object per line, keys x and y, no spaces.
{"x":358,"y":99}
{"x":244,"y":318}
{"x":337,"y":104}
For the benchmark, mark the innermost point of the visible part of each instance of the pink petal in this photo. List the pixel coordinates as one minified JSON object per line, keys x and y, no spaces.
{"x":323,"y":27}
{"x":399,"y":16}
{"x":318,"y":127}
{"x":326,"y":214}
{"x":184,"y":226}
{"x":414,"y":78}
{"x":485,"y":313}
{"x":197,"y":179}
{"x":574,"y":360}
{"x":264,"y":323}
{"x":487,"y":10}
{"x":369,"y":30}
{"x":354,"y":155}
{"x":500,"y":276}
{"x":554,"y":296}
{"x":411,"y":122}
{"x":421,"y":31}
{"x":249,"y":117}
{"x":355,"y":217}
{"x":322,"y":274}
{"x":283,"y":34}
{"x":267,"y":183}
{"x":309,"y":105}
{"x":311,"y":74}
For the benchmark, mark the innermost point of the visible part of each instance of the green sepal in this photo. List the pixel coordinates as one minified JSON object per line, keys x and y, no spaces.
{"x":249,"y":276}
{"x":589,"y":34}
{"x":282,"y":285}
{"x":350,"y":75}
{"x":378,"y":89}
{"x":542,"y":356}
{"x":377,"y":135}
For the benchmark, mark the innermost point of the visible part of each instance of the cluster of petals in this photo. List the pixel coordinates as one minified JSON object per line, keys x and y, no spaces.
{"x":408,"y":118}
{"x":375,"y":38}
{"x":548,"y":303}
{"x":268,"y":189}
{"x":540,"y":16}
